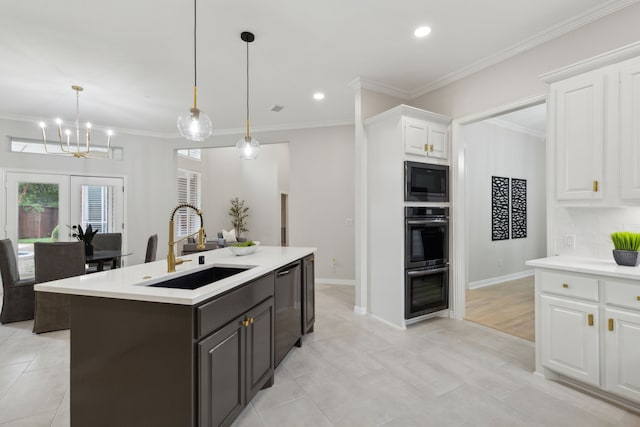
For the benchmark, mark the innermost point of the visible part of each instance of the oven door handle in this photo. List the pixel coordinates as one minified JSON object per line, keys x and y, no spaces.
{"x":427,"y":272}
{"x":427,"y":221}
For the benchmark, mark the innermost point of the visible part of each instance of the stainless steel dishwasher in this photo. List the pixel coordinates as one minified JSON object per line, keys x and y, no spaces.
{"x":288,"y":310}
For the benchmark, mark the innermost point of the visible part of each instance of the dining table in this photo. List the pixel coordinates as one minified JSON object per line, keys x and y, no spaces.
{"x":103,"y":257}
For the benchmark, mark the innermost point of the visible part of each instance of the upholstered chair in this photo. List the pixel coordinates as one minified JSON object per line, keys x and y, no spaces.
{"x":152,"y":248}
{"x":55,"y":261}
{"x":17,"y":295}
{"x":108,"y":242}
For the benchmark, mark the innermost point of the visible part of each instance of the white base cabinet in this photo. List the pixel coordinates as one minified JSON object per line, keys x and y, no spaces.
{"x":588,"y":329}
{"x":570,"y":338}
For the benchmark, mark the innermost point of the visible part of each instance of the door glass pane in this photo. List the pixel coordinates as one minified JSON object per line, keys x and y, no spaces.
{"x":97,"y":207}
{"x":37,"y":220}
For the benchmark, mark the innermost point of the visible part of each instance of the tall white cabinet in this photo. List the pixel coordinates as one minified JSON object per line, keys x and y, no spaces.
{"x":399,"y":134}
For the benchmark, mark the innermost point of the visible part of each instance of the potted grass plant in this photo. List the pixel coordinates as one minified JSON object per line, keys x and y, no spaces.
{"x":626,"y":246}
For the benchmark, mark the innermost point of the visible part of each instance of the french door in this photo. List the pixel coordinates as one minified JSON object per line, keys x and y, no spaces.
{"x":42,"y":208}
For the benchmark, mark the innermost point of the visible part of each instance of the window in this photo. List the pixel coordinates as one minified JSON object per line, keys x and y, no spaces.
{"x":187,"y":221}
{"x":97,"y":203}
{"x":23,"y":145}
{"x":191,"y":153}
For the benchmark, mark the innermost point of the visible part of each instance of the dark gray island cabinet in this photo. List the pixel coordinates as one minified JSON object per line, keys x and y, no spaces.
{"x":143,"y":363}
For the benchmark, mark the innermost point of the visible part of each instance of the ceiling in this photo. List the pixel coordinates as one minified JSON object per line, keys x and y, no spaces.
{"x":135,"y":58}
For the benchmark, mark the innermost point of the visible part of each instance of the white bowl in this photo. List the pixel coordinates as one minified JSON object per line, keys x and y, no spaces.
{"x":243,"y":250}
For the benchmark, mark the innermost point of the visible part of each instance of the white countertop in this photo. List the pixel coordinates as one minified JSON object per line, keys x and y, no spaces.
{"x":129,"y":283}
{"x":587,"y":265}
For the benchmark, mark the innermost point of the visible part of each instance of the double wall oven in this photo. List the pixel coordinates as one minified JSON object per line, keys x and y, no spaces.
{"x":426,"y":260}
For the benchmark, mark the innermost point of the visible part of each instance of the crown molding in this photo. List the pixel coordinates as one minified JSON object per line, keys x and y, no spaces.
{"x":176,"y":135}
{"x":516,"y":128}
{"x":549,"y":34}
{"x":385,"y":89}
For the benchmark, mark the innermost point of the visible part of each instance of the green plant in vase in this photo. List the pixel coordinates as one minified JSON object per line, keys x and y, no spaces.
{"x":85,"y":236}
{"x":239,"y":214}
{"x":626,"y":248}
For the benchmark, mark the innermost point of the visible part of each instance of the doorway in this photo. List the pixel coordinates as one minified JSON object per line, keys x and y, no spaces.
{"x":502,"y":196}
{"x":284,"y":219}
{"x":42,"y":208}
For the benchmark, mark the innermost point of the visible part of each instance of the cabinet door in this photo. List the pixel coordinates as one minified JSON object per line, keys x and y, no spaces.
{"x":438,"y":141}
{"x":630,"y":132}
{"x":308,"y":292}
{"x":221,"y":376}
{"x":569,"y":338}
{"x":578,"y":119}
{"x":259,"y":347}
{"x":416,"y":137}
{"x":623,"y":353}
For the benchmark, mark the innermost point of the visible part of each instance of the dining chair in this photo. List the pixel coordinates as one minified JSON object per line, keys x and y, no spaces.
{"x":17,"y":294}
{"x":108,"y":242}
{"x":152,"y":248}
{"x":55,"y":261}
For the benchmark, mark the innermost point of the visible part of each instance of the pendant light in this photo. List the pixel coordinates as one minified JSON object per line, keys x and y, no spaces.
{"x":194,"y":124}
{"x":248,"y":147}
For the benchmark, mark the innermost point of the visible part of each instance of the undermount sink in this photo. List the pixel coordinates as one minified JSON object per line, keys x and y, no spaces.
{"x":200,"y":278}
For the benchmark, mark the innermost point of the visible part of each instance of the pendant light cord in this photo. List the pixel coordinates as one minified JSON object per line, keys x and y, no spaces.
{"x":248,"y":90}
{"x":195,"y":63}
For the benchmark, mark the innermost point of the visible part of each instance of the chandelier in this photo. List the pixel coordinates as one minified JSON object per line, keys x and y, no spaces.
{"x":75,"y":149}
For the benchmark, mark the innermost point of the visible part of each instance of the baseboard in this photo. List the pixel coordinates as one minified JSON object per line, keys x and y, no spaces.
{"x":360,"y":310}
{"x":393,"y":325}
{"x":500,"y":279}
{"x":345,"y":282}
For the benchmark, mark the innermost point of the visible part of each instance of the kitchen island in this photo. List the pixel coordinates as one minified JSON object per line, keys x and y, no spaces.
{"x":188,"y":348}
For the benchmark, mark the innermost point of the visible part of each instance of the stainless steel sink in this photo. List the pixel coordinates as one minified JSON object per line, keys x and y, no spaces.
{"x":200,"y":278}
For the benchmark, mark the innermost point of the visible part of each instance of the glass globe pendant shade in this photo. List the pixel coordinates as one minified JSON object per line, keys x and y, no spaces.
{"x":195,"y":125}
{"x":248,"y":148}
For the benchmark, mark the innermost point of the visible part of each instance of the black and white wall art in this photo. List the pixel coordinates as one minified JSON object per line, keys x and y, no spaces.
{"x":518,"y":208}
{"x":499,"y":208}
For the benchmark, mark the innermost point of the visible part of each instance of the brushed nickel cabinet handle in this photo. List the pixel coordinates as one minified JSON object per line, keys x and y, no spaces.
{"x":590,"y":319}
{"x":611,"y":324}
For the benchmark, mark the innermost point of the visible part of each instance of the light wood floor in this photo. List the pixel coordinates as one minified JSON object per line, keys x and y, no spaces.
{"x":507,"y":307}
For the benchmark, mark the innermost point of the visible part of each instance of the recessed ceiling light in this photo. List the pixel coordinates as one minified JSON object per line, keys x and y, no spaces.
{"x":422,"y":31}
{"x":318,"y":96}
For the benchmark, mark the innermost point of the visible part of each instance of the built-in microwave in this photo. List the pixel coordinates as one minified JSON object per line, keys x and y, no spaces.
{"x":426,"y":182}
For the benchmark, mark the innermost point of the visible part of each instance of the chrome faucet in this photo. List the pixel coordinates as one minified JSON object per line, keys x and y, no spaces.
{"x":172,"y":261}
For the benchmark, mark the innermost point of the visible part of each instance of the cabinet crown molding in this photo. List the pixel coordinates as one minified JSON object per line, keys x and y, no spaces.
{"x":407,"y":110}
{"x":608,"y":58}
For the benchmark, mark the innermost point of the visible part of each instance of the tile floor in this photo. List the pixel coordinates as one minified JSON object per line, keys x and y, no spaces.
{"x":352,"y":371}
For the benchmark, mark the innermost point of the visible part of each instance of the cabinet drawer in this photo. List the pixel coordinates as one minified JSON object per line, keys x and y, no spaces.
{"x":217,"y":313}
{"x":621,"y":293}
{"x":569,"y":284}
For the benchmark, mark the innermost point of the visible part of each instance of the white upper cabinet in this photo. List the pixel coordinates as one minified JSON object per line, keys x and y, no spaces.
{"x":594,"y":130}
{"x":416,"y":137}
{"x":426,"y":134}
{"x":579,"y":137}
{"x":630,"y":131}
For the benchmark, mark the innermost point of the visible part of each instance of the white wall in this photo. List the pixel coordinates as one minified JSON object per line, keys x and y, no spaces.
{"x":147,"y":166}
{"x":321,"y":198}
{"x":492,"y":150}
{"x":517,"y":77}
{"x":258,"y":182}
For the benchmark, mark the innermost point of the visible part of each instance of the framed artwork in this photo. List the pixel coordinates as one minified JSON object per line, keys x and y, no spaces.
{"x":518,"y":208}
{"x":499,"y":208}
